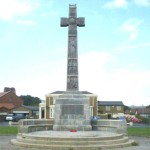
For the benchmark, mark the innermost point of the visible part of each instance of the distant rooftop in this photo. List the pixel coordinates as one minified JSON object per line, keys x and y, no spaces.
{"x":31,"y":107}
{"x":110,"y":103}
{"x":139,"y":111}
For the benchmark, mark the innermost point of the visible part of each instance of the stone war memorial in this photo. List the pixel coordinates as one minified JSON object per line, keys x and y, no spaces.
{"x":72,"y":128}
{"x":73,"y":108}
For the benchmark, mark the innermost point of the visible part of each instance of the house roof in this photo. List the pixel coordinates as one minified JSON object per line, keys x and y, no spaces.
{"x":110,"y":103}
{"x":61,"y":92}
{"x":31,"y":107}
{"x":3,"y":93}
{"x":139,"y":111}
{"x":143,"y":111}
{"x":7,"y":105}
{"x":86,"y":92}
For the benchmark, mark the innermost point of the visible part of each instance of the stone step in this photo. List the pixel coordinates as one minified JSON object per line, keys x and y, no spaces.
{"x":73,"y":142}
{"x":52,"y":138}
{"x":55,"y":140}
{"x":71,"y":147}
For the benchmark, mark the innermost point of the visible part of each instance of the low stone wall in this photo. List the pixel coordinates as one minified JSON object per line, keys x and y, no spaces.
{"x":24,"y":122}
{"x":116,"y":126}
{"x":32,"y":125}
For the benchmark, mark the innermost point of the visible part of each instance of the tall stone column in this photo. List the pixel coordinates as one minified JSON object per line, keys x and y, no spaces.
{"x":72,"y":63}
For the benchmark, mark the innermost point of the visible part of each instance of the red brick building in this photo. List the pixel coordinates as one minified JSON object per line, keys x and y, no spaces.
{"x":9,"y":100}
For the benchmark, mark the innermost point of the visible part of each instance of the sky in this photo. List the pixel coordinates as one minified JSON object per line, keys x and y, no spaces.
{"x":113,"y":48}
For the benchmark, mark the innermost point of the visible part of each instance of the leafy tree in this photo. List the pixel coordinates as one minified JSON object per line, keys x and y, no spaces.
{"x":148,"y":106}
{"x":29,"y":100}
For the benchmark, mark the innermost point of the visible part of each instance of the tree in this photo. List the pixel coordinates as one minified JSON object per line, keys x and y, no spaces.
{"x":29,"y":100}
{"x":148,"y":106}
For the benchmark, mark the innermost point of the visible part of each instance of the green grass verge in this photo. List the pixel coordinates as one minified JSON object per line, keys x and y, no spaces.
{"x":136,"y":131}
{"x":132,"y":131}
{"x":6,"y":130}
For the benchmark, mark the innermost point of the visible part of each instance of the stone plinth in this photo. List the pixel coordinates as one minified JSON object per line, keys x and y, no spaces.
{"x":72,"y":111}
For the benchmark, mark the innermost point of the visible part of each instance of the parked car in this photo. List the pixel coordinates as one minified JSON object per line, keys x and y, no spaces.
{"x":93,"y":118}
{"x":17,"y":117}
{"x":9,"y":117}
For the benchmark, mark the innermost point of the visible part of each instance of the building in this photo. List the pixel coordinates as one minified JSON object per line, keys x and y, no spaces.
{"x":8,"y":101}
{"x":110,"y":109}
{"x":28,"y":111}
{"x":144,"y":112}
{"x":47,"y":108}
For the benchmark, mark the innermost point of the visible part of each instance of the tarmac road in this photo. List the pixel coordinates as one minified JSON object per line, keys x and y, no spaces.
{"x":8,"y":123}
{"x":144,"y":144}
{"x":4,"y":123}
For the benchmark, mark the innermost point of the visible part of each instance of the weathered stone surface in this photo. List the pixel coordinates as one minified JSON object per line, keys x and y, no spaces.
{"x":72,"y":65}
{"x":72,"y":110}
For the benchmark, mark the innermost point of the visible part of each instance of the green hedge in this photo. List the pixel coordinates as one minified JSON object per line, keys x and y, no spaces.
{"x":144,"y":120}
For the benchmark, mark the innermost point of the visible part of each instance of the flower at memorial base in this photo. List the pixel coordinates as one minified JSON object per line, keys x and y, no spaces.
{"x":73,"y":130}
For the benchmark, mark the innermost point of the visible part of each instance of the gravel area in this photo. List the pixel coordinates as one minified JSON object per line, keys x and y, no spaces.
{"x":144,"y":144}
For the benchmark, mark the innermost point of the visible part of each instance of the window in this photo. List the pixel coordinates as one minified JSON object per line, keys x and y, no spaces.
{"x":91,"y":111}
{"x":107,"y":108}
{"x":51,"y":112}
{"x":118,"y":107}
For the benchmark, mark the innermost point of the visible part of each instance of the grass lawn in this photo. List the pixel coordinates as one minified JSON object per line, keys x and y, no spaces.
{"x":136,"y":131}
{"x":6,"y":130}
{"x":132,"y":131}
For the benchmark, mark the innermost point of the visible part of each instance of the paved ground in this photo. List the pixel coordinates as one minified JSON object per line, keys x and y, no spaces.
{"x":144,"y":144}
{"x":8,"y":123}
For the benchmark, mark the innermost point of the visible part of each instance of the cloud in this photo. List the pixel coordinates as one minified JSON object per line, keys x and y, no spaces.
{"x":117,"y":4}
{"x":132,"y":46}
{"x":126,"y":3}
{"x":12,"y":8}
{"x":26,"y":22}
{"x":131,"y":27}
{"x":145,"y":3}
{"x":125,"y":84}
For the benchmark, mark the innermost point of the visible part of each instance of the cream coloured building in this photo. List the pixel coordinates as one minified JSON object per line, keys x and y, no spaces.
{"x":47,"y":108}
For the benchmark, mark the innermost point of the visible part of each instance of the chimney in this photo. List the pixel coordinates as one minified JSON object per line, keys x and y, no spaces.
{"x":8,"y":89}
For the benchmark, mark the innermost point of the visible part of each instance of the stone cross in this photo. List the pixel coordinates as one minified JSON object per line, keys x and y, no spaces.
{"x":72,"y":63}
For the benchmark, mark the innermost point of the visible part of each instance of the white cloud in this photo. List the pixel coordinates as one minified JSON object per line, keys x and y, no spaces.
{"x":117,"y":4}
{"x":125,"y":3}
{"x":26,"y":22}
{"x":132,"y":46}
{"x":145,"y":3}
{"x":12,"y":8}
{"x":131,"y":27}
{"x":125,"y":84}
